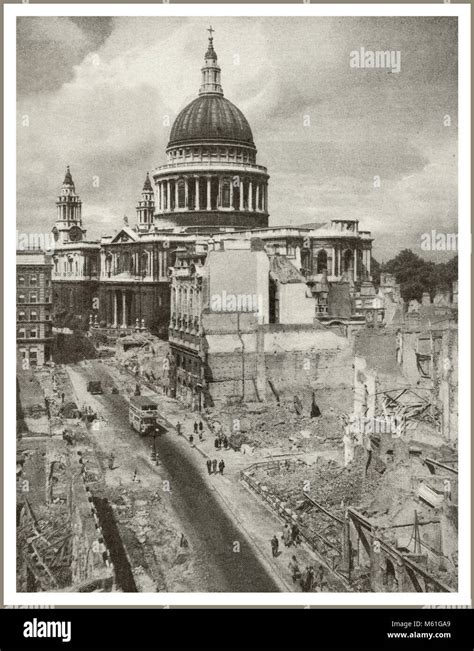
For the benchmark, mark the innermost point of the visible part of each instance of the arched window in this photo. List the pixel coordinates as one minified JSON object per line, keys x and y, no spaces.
{"x":322,"y":261}
{"x":181,"y":194}
{"x":348,"y":260}
{"x":33,"y":315}
{"x":226,"y":194}
{"x":21,"y":280}
{"x":144,"y":261}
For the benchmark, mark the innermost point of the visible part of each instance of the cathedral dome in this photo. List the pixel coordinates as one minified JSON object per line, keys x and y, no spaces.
{"x":211,"y":117}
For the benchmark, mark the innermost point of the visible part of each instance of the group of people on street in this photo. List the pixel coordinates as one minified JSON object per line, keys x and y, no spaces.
{"x":291,"y":536}
{"x":199,"y":428}
{"x":212,"y":466}
{"x":308,"y":579}
{"x":221,"y":441}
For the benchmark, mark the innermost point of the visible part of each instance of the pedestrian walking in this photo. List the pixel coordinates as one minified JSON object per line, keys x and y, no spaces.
{"x":294,"y":569}
{"x":304,"y":578}
{"x":221,"y":466}
{"x":111,"y":461}
{"x":274,"y":544}
{"x":183,"y":541}
{"x":201,"y":426}
{"x":225,"y":442}
{"x":200,"y":436}
{"x":209,"y":466}
{"x":191,"y":439}
{"x":286,"y":536}
{"x":295,"y":535}
{"x":307,"y":580}
{"x":214,"y":466}
{"x":216,"y":443}
{"x":310,"y":580}
{"x":195,"y":427}
{"x":178,"y":427}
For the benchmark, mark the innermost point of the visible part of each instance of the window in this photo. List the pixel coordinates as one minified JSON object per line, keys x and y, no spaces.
{"x":33,"y":333}
{"x":21,"y":280}
{"x":226,"y":194}
{"x":21,"y":316}
{"x":33,"y":315}
{"x":322,"y":261}
{"x":181,"y":194}
{"x":33,"y":280}
{"x":21,"y":333}
{"x":21,"y":298}
{"x":33,"y":297}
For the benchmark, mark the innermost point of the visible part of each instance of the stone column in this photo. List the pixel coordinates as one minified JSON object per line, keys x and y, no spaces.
{"x":250,"y":196}
{"x":333,"y":260}
{"x":339,"y":259}
{"x":257,"y":197}
{"x":124,"y":309}
{"x":355,"y":264}
{"x":196,"y":194}
{"x":368,"y":262}
{"x":176,"y":205}
{"x":186,"y":195}
{"x":162,"y":193}
{"x":115,"y":309}
{"x":208,"y":192}
{"x":241,"y":193}
{"x":168,"y":195}
{"x":231,"y":194}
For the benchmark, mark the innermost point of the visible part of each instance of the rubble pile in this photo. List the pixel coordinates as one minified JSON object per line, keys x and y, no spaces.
{"x":144,"y":359}
{"x":267,"y":425}
{"x":160,"y":559}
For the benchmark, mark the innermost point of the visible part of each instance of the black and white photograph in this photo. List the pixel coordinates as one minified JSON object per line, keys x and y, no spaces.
{"x":241,"y":268}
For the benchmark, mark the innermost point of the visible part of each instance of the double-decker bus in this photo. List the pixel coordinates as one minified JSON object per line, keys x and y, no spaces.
{"x":144,"y":417}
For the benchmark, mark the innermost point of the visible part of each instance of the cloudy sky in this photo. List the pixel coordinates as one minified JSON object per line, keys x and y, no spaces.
{"x":100,"y":94}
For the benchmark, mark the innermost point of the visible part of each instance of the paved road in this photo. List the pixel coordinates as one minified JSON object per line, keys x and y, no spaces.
{"x":212,"y":533}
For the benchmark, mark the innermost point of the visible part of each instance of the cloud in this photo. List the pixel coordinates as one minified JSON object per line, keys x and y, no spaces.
{"x":101,"y":95}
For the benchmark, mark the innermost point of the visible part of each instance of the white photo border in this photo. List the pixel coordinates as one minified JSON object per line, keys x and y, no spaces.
{"x":460,"y":598}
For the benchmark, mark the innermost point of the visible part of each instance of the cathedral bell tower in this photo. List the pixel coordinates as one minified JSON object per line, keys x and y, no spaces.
{"x":68,"y":226}
{"x":146,"y":206}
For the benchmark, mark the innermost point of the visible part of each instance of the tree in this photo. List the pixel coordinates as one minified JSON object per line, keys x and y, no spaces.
{"x":375,"y":269}
{"x":417,"y":275}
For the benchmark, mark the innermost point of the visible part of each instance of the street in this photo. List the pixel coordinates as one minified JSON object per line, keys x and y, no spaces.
{"x":225,"y":559}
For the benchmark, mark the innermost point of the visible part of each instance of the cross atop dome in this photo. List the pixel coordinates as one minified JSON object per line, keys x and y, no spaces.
{"x":210,"y":54}
{"x":211,"y":73}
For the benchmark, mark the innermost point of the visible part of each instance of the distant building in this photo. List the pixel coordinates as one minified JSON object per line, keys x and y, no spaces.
{"x":33,"y":307}
{"x":75,"y":260}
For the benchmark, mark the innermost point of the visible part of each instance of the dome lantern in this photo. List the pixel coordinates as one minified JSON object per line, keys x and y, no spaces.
{"x":211,"y":73}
